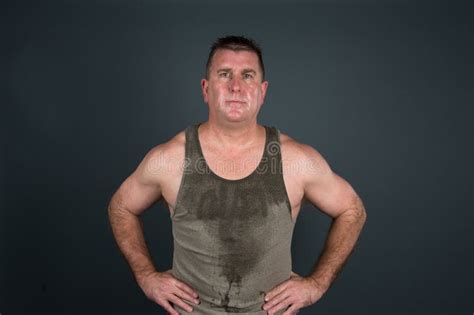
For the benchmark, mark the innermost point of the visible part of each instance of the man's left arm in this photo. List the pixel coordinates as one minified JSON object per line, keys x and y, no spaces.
{"x":335,"y":197}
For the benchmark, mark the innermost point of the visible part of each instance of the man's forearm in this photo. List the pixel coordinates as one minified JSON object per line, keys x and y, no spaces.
{"x":340,"y":242}
{"x":128,"y":232}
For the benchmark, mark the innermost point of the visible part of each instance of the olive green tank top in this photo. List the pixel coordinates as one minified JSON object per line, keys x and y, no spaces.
{"x":232,"y":238}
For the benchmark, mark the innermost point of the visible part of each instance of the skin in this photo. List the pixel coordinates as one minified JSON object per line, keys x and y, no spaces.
{"x":235,"y":92}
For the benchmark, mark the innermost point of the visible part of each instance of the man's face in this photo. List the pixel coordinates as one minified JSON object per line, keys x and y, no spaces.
{"x":234,"y":89}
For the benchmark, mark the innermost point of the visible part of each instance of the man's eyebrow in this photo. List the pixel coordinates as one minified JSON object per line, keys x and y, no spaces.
{"x":249,"y":70}
{"x":246,"y":70}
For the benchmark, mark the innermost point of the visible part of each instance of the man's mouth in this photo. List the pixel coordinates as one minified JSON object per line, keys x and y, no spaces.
{"x":235,"y":101}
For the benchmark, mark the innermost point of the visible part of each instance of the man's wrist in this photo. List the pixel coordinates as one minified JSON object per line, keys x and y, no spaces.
{"x":141,"y":276}
{"x":319,"y":284}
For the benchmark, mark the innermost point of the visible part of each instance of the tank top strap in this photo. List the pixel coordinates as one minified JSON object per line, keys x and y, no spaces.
{"x":272,"y":155}
{"x":192,"y":153}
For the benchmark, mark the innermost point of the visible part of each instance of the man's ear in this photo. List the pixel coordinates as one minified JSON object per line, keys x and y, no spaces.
{"x":204,"y":86}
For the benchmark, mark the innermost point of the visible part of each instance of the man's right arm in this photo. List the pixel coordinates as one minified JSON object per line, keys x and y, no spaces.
{"x":136,"y":194}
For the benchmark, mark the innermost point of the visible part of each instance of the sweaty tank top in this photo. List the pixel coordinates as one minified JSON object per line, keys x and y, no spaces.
{"x":232,"y":238}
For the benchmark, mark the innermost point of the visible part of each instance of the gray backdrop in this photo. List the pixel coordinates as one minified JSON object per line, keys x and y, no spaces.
{"x":383,"y":90}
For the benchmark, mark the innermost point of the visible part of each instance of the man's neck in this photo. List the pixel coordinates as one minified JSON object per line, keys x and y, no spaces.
{"x":231,"y":135}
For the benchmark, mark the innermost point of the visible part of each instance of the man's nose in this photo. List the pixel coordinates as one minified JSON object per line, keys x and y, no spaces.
{"x":235,"y":84}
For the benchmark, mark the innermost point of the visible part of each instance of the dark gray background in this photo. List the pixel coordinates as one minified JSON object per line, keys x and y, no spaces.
{"x":383,"y":90}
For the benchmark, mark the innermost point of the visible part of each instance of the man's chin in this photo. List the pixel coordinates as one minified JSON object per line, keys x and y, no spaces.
{"x":235,"y":117}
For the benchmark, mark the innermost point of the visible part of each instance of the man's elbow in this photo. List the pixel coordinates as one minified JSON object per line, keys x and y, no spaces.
{"x":363,"y":216}
{"x":356,"y":213}
{"x":116,"y":208}
{"x":112,"y":205}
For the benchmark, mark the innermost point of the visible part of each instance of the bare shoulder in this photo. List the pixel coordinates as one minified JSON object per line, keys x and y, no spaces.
{"x":302,"y":159}
{"x":165,"y":159}
{"x":169,"y":149}
{"x":149,"y":182}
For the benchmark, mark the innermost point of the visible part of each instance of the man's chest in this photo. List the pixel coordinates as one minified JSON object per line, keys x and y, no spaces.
{"x":230,"y":168}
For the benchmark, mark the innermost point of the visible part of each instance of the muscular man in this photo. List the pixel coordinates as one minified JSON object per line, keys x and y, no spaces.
{"x":234,"y":189}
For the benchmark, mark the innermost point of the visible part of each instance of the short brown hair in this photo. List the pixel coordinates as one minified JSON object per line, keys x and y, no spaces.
{"x":235,"y":43}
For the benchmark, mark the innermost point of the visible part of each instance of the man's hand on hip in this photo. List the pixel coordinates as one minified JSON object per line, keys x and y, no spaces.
{"x":292,"y":295}
{"x":163,"y":288}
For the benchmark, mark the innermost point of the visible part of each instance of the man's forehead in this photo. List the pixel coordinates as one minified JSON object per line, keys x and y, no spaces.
{"x":226,"y":58}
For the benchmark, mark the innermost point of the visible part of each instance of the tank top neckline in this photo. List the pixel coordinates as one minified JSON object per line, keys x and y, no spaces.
{"x":211,"y":172}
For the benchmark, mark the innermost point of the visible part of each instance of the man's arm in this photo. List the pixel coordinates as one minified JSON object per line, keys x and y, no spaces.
{"x":317,"y":183}
{"x":334,"y":196}
{"x":136,"y":194}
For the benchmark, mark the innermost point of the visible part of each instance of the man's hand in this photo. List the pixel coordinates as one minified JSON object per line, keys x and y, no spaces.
{"x":296,"y":292}
{"x":163,"y":288}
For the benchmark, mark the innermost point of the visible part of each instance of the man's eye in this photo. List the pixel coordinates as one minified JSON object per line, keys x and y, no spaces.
{"x":224,"y":74}
{"x":248,"y":76}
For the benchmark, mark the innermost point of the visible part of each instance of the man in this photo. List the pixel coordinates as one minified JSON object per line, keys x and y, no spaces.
{"x":234,"y":189}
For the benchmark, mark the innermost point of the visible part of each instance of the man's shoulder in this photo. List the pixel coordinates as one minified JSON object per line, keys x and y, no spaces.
{"x":167,"y":156}
{"x":301,"y":157}
{"x":296,"y":149}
